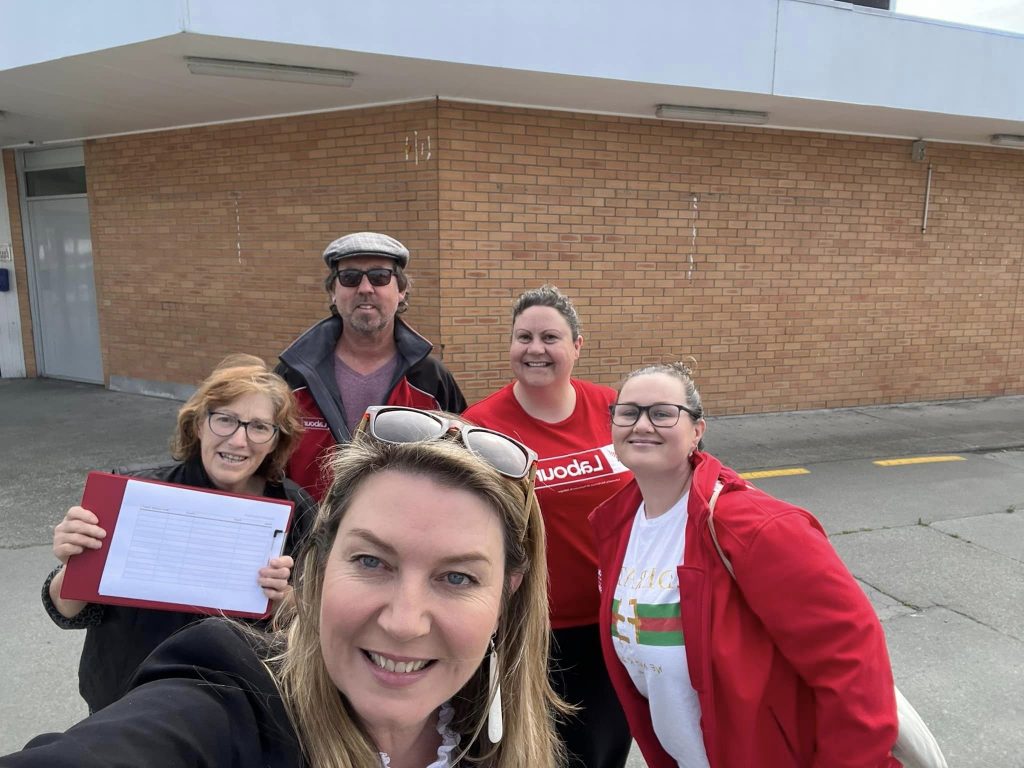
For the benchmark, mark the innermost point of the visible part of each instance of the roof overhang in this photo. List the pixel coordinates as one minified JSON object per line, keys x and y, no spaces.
{"x":800,"y":81}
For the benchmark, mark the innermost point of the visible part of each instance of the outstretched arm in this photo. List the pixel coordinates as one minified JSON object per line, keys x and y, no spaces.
{"x":201,"y":700}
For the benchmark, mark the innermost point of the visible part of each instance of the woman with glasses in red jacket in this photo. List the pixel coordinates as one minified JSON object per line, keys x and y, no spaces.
{"x":766,"y":653}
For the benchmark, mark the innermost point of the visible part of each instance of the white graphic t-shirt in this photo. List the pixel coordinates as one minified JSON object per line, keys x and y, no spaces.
{"x":647,"y":632}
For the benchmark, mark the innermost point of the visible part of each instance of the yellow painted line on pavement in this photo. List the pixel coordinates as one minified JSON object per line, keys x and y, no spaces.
{"x":917,"y":460}
{"x":774,"y":473}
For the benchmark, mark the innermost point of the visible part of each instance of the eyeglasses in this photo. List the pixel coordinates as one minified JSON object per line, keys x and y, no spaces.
{"x":378,"y":276}
{"x":395,"y":424}
{"x":659,"y":414}
{"x":225,"y":425}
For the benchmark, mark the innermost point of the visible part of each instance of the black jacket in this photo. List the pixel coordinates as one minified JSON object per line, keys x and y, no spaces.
{"x":202,"y":700}
{"x":118,"y":638}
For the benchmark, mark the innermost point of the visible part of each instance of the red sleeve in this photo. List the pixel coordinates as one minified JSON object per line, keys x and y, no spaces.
{"x":306,"y":464}
{"x":825,"y":626}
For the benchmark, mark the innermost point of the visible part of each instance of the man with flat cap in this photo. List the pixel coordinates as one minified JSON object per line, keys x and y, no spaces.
{"x":362,"y":355}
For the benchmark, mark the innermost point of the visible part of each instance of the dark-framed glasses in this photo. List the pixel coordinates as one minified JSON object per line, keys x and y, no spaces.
{"x":378,"y":276}
{"x":659,"y":414}
{"x":397,"y":424}
{"x":226,"y":424}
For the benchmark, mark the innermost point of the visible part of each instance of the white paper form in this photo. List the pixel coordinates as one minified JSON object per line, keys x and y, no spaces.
{"x":179,"y":545}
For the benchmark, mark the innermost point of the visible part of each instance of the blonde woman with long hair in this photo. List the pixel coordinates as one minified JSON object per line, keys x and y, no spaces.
{"x":416,"y":635}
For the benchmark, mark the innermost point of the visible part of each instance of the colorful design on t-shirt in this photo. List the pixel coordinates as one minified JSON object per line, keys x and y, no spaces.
{"x":645,"y":579}
{"x":654,"y":624}
{"x":658,"y":624}
{"x":616,"y":618}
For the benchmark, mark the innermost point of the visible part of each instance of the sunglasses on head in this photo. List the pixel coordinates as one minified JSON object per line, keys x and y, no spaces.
{"x":397,"y":424}
{"x":378,"y":276}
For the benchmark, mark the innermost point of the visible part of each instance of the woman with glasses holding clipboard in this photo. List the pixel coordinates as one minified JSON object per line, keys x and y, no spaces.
{"x":234,"y":434}
{"x":416,"y":635}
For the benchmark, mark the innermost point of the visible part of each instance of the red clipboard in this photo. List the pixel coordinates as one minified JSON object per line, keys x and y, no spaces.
{"x":102,"y":496}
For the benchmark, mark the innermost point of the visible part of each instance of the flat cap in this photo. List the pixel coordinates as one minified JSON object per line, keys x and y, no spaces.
{"x":366,"y":244}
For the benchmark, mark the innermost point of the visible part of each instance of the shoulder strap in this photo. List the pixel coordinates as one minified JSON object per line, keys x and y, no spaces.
{"x":711,"y":527}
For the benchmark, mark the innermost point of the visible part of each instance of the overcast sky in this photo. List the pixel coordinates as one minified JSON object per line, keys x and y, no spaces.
{"x":997,"y":14}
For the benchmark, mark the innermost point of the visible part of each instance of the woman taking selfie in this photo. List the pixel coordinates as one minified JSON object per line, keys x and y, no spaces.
{"x":416,"y":635}
{"x":565,"y":420}
{"x":782,"y":664}
{"x":234,"y":434}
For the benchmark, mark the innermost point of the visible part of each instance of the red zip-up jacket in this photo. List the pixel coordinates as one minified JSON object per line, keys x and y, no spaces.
{"x":789,"y":660}
{"x":420,"y":381}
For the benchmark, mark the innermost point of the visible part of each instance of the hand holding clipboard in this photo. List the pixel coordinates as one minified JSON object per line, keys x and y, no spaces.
{"x":169,"y":547}
{"x":77,"y":532}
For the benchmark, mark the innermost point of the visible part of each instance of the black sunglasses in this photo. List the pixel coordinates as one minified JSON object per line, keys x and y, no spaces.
{"x":378,"y":276}
{"x":396,"y":424}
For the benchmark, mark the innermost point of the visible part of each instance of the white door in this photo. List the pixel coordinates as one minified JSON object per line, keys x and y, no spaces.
{"x":68,"y":329}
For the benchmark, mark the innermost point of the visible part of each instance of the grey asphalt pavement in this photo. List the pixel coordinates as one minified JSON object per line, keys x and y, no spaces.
{"x":939,"y":547}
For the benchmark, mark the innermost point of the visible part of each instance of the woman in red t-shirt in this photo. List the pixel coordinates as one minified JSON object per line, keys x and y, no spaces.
{"x":565,"y":420}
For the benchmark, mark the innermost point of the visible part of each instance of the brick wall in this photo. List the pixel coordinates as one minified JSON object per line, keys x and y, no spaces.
{"x":20,"y":268}
{"x":808,"y":284}
{"x":791,"y":265}
{"x":208,"y":240}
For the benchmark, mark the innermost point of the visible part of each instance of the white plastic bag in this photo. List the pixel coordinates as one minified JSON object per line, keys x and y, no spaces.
{"x":915,"y":746}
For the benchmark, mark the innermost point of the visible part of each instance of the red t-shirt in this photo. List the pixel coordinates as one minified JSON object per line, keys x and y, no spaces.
{"x":577,"y":470}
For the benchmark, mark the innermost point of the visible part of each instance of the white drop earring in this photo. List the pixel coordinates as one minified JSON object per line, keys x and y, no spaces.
{"x":495,"y":727}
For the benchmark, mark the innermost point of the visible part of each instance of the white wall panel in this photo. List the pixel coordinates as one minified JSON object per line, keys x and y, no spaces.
{"x":837,"y":52}
{"x":812,"y":50}
{"x":721,"y":45}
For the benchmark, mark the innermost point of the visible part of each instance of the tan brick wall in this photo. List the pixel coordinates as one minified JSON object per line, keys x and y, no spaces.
{"x":808,"y":284}
{"x":20,"y":268}
{"x":208,"y":240}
